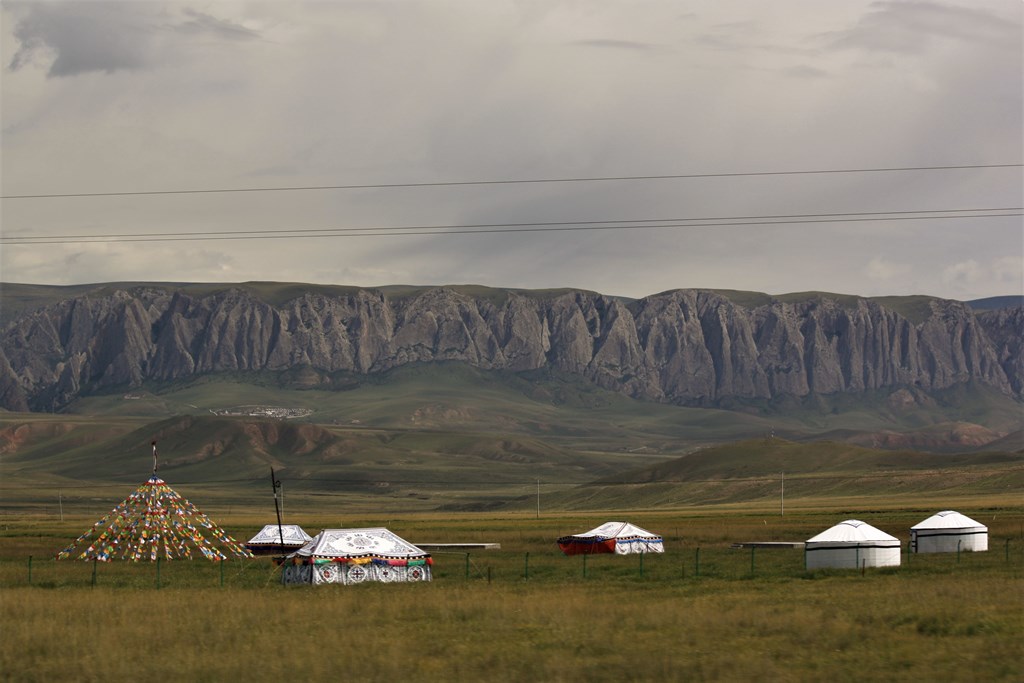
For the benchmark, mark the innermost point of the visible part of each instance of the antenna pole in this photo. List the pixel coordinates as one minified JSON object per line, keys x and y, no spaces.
{"x":277,"y":508}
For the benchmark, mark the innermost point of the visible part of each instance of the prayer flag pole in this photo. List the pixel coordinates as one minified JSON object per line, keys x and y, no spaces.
{"x":277,"y":508}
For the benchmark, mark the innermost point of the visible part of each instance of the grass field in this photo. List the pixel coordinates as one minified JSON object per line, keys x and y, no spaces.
{"x":701,"y":611}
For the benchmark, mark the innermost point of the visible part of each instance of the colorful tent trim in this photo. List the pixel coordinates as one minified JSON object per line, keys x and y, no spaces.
{"x":620,"y":538}
{"x":153,"y":521}
{"x":350,"y":556}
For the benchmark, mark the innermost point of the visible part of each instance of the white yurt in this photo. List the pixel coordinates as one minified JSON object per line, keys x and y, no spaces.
{"x":349,"y":556}
{"x":852,"y":544}
{"x":947,"y":532}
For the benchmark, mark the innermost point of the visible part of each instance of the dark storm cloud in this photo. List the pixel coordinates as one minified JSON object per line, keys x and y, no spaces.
{"x":83,"y":37}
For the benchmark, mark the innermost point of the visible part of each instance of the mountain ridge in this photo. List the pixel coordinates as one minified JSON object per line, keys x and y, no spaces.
{"x":692,"y":347}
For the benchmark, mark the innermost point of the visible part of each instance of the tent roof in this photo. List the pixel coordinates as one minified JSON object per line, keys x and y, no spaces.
{"x":372,"y":542}
{"x":617,"y":530}
{"x":852,"y":531}
{"x":949,"y":519}
{"x":270,"y":535}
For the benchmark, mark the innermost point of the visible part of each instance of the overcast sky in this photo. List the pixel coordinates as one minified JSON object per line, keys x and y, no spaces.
{"x":129,"y":97}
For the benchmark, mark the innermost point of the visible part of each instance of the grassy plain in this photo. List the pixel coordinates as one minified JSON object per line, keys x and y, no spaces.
{"x":701,"y":611}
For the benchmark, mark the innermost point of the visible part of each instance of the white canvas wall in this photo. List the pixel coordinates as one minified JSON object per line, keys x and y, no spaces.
{"x":946,"y":540}
{"x":852,"y":557}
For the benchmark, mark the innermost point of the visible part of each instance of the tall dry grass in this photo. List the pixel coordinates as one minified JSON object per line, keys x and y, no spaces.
{"x":936,"y":617}
{"x":841,"y":628}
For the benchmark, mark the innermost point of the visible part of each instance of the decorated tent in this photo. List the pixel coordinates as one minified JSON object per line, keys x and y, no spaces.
{"x":947,"y":532}
{"x":274,"y":539}
{"x":621,"y":538}
{"x":356,"y":555}
{"x":153,"y":521}
{"x":852,"y":544}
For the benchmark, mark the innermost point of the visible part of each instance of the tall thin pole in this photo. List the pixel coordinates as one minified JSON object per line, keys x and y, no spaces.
{"x":783,"y":501}
{"x":154,"y":458}
{"x":60,"y":503}
{"x":277,"y":508}
{"x":538,"y":499}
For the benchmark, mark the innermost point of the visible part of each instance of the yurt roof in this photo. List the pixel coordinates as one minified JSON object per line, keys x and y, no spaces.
{"x":852,"y":531}
{"x":621,"y":530}
{"x":949,"y":519}
{"x":371,"y":542}
{"x":271,"y":535}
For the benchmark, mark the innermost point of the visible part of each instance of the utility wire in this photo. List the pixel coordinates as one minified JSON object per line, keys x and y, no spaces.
{"x":456,"y":230}
{"x":370,"y":481}
{"x":525,"y":181}
{"x":292,"y":231}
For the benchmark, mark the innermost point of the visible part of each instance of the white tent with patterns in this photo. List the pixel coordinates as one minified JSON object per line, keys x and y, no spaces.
{"x":852,"y":544}
{"x":948,"y":532}
{"x":620,"y":538}
{"x":350,"y":556}
{"x":274,"y":539}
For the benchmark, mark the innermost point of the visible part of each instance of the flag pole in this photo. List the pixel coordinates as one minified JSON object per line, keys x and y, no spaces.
{"x":275,"y":484}
{"x":154,"y":458}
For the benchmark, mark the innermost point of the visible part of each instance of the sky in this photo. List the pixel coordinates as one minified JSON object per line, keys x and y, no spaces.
{"x":153,"y":108}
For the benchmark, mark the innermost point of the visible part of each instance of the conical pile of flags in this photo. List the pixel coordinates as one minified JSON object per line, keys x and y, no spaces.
{"x":153,"y":521}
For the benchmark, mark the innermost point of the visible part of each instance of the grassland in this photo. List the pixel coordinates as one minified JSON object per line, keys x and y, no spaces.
{"x":701,"y":611}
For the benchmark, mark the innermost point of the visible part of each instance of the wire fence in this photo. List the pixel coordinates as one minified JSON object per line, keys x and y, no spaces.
{"x":493,"y":566}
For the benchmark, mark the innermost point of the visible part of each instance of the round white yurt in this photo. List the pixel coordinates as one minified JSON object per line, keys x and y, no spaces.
{"x":947,"y":532}
{"x":852,"y":544}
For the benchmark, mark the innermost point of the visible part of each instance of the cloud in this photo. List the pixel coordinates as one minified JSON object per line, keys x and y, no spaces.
{"x":616,"y":44}
{"x":880,"y":269}
{"x":204,"y":24}
{"x":912,"y":27}
{"x":81,"y":37}
{"x":84,"y":37}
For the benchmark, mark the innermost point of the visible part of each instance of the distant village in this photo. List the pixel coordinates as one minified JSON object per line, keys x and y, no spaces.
{"x":263,"y":411}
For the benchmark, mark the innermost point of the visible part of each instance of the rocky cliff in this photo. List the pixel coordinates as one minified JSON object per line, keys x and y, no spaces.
{"x":693,"y":347}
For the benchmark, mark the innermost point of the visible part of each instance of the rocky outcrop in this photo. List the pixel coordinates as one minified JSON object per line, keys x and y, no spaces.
{"x":693,"y":347}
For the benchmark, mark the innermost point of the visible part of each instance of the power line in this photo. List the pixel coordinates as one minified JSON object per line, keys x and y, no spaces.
{"x":291,"y":231}
{"x":487,"y":229}
{"x":371,"y":481}
{"x":523,"y":181}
